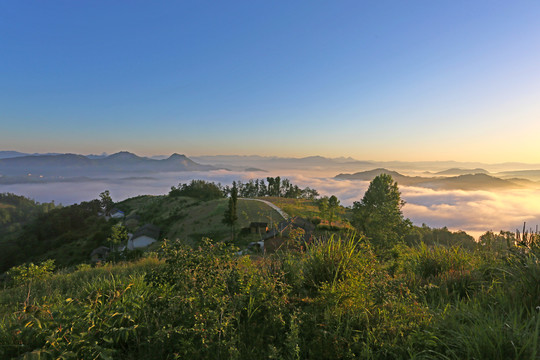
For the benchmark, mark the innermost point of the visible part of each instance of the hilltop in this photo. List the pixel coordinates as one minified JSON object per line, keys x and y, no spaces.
{"x":476,"y":181}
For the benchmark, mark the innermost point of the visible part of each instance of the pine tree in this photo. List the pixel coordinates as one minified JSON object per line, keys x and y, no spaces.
{"x":230,"y":216}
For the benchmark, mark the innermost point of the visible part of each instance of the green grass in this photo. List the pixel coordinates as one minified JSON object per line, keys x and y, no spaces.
{"x":334,"y":300}
{"x":191,"y":220}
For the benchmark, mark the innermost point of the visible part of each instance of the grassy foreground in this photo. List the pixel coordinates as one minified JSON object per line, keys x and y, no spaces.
{"x":333,"y":300}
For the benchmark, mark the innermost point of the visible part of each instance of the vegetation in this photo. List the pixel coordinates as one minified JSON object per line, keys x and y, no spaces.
{"x":395,"y":292}
{"x":276,"y":187}
{"x":334,"y":300}
{"x":65,"y":234}
{"x":378,"y":215}
{"x":15,"y":211}
{"x":198,"y":189}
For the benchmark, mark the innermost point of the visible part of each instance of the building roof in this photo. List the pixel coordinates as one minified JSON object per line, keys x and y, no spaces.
{"x":102,"y":250}
{"x":149,"y":230}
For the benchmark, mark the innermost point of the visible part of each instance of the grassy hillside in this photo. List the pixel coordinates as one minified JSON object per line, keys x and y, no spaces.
{"x":335,"y":300}
{"x":190,"y":219}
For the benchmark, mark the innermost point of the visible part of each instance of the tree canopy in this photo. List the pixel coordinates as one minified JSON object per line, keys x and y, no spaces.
{"x":378,"y":215}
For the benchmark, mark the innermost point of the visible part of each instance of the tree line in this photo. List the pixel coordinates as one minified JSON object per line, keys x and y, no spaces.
{"x":274,"y":186}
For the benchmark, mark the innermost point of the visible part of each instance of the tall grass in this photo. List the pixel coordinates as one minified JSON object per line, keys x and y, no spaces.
{"x":335,"y":300}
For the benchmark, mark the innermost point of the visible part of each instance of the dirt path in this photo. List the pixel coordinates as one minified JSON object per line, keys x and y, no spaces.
{"x":281,"y":212}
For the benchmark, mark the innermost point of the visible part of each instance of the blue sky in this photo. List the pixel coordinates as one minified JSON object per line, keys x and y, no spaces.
{"x":381,"y":80}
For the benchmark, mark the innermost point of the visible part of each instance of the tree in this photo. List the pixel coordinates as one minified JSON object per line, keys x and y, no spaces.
{"x":230,"y":216}
{"x":323,"y":207}
{"x":378,"y":215}
{"x":333,"y":205}
{"x":106,"y":202}
{"x":119,"y":236}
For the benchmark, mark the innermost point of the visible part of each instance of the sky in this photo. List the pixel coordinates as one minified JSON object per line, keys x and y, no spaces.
{"x":377,"y":80}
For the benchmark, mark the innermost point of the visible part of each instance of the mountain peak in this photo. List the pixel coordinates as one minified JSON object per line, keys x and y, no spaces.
{"x":123,"y":155}
{"x":177,"y":156}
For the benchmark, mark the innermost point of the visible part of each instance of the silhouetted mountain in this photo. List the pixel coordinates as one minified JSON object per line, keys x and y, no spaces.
{"x":38,"y":161}
{"x":71,"y":165}
{"x":319,"y":163}
{"x":458,"y":171}
{"x":370,"y":174}
{"x":461,"y":182}
{"x":527,"y":174}
{"x":11,"y":154}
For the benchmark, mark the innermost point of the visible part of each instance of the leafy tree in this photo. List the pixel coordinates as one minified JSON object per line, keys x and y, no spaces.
{"x":106,"y":202}
{"x":378,"y":215}
{"x":230,"y":216}
{"x":119,"y":236}
{"x":333,"y":205}
{"x":323,"y":207}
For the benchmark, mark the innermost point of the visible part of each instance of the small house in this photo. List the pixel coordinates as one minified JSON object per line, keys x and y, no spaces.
{"x":144,"y":236}
{"x":117,"y":214}
{"x":99,"y":254}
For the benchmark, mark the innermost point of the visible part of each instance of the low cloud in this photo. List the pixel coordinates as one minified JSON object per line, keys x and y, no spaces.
{"x":472,"y":211}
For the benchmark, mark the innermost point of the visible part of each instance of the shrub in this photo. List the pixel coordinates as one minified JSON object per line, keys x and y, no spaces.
{"x":30,"y":272}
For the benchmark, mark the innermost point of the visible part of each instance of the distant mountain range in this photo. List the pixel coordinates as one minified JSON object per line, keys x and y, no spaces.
{"x":477,"y":181}
{"x":341,"y":164}
{"x":63,"y":166}
{"x":458,"y":171}
{"x":16,"y":166}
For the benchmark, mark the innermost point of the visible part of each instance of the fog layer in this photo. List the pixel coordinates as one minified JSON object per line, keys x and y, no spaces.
{"x":472,"y":211}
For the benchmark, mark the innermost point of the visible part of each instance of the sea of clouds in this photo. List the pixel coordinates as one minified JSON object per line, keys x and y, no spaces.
{"x":472,"y":211}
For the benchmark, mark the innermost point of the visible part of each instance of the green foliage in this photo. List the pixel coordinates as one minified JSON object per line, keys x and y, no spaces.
{"x":333,"y":205}
{"x":378,"y":215}
{"x":497,"y":242}
{"x":66,"y":234}
{"x":276,"y":187}
{"x":439,"y":272}
{"x":328,"y":261}
{"x":16,"y":211}
{"x":443,"y":236}
{"x":230,"y":218}
{"x":335,"y":299}
{"x":30,"y":272}
{"x":198,"y":189}
{"x":523,"y":272}
{"x":106,"y":202}
{"x":223,"y":306}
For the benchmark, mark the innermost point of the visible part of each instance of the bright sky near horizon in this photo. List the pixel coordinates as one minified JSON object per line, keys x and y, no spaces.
{"x":381,"y":80}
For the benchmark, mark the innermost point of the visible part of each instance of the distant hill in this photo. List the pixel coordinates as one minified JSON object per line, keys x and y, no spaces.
{"x":370,"y":174}
{"x":458,"y":171}
{"x":283,"y":163}
{"x":527,"y":174}
{"x":10,"y":154}
{"x":71,"y":165}
{"x":461,"y":182}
